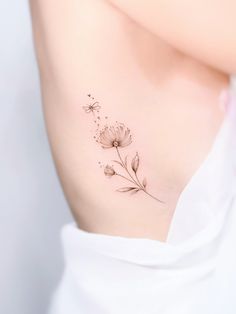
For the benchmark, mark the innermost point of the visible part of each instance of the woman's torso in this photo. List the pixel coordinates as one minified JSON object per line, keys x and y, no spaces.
{"x":169,"y":101}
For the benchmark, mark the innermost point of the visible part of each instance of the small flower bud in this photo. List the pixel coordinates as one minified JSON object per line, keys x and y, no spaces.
{"x":109,"y":171}
{"x":135,"y":163}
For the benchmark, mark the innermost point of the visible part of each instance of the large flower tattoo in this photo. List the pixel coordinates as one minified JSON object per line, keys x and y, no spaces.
{"x":115,"y":137}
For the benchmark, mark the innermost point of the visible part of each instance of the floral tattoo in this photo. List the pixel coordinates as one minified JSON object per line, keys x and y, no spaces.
{"x":116,"y":136}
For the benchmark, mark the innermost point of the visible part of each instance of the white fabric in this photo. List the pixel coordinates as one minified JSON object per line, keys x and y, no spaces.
{"x":192,"y":272}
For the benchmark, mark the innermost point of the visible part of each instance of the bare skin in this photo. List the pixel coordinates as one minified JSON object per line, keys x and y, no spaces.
{"x":167,"y":98}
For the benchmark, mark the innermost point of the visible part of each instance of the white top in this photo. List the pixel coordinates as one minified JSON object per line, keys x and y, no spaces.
{"x":192,"y":272}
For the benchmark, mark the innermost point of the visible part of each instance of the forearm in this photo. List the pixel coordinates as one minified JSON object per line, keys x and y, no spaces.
{"x":203,"y":29}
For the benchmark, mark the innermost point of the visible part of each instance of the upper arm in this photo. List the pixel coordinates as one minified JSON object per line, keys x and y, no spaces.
{"x":203,"y":29}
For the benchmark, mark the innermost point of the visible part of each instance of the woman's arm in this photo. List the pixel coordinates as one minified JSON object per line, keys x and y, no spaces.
{"x":204,"y":29}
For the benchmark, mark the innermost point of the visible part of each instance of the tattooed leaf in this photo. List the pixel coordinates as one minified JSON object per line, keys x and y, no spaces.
{"x":126,"y":189}
{"x":144,"y":182}
{"x":135,"y":163}
{"x":135,"y":191}
{"x":118,"y":162}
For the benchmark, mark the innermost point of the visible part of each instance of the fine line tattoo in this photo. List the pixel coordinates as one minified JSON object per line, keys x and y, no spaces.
{"x":116,"y":137}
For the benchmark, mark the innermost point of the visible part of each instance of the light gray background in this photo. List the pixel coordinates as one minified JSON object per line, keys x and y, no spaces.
{"x":32,"y":206}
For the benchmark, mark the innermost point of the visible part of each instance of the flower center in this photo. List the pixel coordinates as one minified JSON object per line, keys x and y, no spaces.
{"x":115,"y":144}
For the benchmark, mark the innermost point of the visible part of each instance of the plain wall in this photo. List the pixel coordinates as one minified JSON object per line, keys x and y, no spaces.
{"x":32,"y":206}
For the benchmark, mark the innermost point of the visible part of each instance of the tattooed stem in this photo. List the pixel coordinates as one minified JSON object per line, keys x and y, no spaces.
{"x":120,"y":175}
{"x":157,"y":199}
{"x":127,"y":170}
{"x":141,"y":189}
{"x":133,"y":180}
{"x":139,"y":181}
